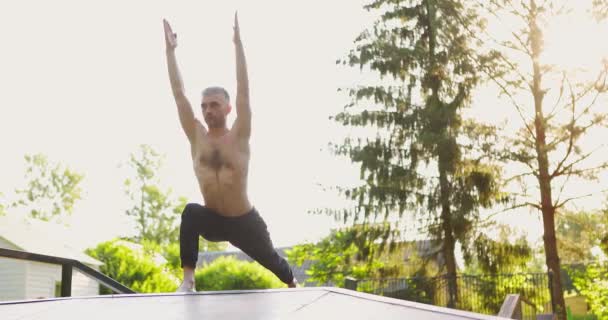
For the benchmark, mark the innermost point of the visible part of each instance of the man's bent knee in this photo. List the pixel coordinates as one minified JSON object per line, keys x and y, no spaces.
{"x":189,"y":210}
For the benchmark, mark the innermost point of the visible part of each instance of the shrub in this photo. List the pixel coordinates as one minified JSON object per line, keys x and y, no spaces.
{"x":134,"y":269}
{"x":593,"y":284}
{"x":228,"y":273}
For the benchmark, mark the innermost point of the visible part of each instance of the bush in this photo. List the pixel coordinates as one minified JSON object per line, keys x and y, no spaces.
{"x":355,"y":251}
{"x":592,"y":283}
{"x":133,"y":269}
{"x":171,"y":253}
{"x":228,"y":273}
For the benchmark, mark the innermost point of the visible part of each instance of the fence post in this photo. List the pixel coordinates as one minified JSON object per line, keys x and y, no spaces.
{"x":350,"y":283}
{"x":66,"y":280}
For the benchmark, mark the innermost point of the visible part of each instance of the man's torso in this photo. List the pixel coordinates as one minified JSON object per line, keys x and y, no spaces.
{"x":221,"y":167}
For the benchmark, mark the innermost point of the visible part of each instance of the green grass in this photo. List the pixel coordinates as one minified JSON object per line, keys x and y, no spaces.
{"x":580,"y":317}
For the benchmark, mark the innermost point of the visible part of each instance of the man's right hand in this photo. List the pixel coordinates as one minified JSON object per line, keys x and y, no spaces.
{"x":170,"y":37}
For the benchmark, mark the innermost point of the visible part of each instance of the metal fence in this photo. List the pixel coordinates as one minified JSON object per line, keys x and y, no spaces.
{"x":477,"y":293}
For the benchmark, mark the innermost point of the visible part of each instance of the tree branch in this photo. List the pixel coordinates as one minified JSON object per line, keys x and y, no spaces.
{"x":561,"y":190}
{"x":521,"y":175}
{"x":563,"y":203}
{"x":559,"y":98}
{"x":571,"y":137}
{"x":568,"y":169}
{"x":514,"y":102}
{"x":583,"y":171}
{"x":521,"y":205}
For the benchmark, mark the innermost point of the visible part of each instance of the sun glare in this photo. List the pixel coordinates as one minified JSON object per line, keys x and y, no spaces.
{"x":575,"y":40}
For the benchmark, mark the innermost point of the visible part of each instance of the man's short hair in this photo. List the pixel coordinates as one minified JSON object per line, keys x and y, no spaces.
{"x":215,"y":90}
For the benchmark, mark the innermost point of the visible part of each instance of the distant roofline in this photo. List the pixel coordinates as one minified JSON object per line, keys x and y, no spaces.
{"x":90,"y":260}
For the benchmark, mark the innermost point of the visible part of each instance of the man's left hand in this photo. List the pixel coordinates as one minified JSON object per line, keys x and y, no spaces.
{"x":237,"y":31}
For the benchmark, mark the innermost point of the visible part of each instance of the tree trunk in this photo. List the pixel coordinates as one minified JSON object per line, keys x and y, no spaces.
{"x":544,"y":179}
{"x":442,"y":158}
{"x":448,"y":237}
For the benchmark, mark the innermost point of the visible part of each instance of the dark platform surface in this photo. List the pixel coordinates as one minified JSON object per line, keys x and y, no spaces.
{"x":304,"y":303}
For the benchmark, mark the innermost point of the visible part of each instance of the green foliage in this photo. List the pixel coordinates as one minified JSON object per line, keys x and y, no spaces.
{"x":52,"y":188}
{"x":579,"y":232}
{"x":2,"y":205}
{"x":425,"y":158}
{"x":210,"y":246}
{"x":604,"y":244}
{"x":154,"y":209}
{"x":355,"y":251}
{"x":485,"y":255}
{"x":228,"y":273}
{"x":478,"y":293}
{"x":549,"y":144}
{"x":603,"y":236}
{"x":171,"y":253}
{"x":135,"y":269}
{"x":592,"y":283}
{"x":489,"y":291}
{"x":416,"y":289}
{"x":582,"y":317}
{"x":415,"y":132}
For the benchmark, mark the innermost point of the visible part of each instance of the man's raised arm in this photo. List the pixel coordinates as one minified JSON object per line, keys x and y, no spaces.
{"x":186,"y":116}
{"x":242,"y":124}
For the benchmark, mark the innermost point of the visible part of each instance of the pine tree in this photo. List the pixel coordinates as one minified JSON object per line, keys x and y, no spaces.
{"x":425,"y":158}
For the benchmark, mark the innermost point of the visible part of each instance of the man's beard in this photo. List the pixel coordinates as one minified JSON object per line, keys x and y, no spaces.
{"x":216,"y":123}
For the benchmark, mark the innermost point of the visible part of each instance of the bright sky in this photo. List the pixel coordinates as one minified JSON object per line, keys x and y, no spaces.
{"x":571,"y":43}
{"x":87,"y":83}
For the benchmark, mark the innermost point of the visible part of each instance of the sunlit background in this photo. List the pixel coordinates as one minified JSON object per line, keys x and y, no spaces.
{"x":86,"y":82}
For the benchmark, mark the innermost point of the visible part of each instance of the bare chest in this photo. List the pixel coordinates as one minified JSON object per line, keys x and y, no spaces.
{"x":217,"y":154}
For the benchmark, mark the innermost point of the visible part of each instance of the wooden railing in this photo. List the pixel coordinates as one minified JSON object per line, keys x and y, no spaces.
{"x":513,"y":308}
{"x":67,"y":265}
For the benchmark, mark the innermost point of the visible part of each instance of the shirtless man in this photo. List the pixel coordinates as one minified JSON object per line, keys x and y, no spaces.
{"x":221,"y":160}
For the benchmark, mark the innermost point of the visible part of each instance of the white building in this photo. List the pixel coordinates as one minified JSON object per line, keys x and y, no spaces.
{"x":21,"y":279}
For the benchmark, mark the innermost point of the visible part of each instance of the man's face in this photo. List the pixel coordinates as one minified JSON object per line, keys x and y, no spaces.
{"x":215,"y":110}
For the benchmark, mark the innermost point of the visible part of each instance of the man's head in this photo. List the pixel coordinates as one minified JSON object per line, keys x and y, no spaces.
{"x":215,"y":106}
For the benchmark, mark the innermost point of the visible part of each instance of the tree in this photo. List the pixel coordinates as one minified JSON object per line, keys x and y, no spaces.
{"x":600,"y":9}
{"x":425,"y":158}
{"x":154,"y":210}
{"x":502,"y":255}
{"x":134,"y":269}
{"x":503,"y":267}
{"x":52,"y":188}
{"x":578,"y":233}
{"x":547,"y":145}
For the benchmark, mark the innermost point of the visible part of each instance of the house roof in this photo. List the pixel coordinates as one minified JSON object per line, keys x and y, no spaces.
{"x":291,"y":304}
{"x":42,"y":237}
